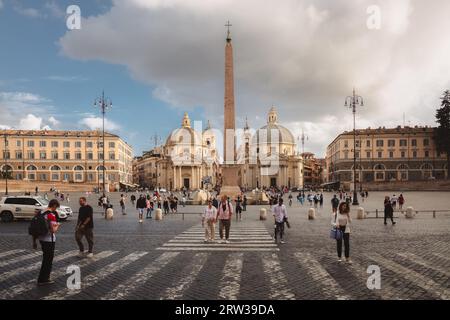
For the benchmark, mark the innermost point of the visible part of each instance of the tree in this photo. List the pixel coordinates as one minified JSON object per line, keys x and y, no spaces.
{"x":442,"y":132}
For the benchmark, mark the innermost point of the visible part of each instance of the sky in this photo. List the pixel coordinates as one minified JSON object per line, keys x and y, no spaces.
{"x":156,"y":59}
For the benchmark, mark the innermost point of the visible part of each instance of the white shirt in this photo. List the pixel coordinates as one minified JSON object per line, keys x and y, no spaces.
{"x":279,"y":212}
{"x":342,"y":220}
{"x":209,"y":213}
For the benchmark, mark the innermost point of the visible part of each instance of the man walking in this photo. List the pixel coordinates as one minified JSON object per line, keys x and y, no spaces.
{"x":280,"y":217}
{"x":85,"y":227}
{"x":224,"y":214}
{"x":47,"y":242}
{"x":141,"y":205}
{"x":388,"y":211}
{"x":335,"y":203}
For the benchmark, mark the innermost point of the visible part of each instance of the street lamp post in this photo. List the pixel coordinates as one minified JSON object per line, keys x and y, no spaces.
{"x":351,"y":102}
{"x":104,"y":104}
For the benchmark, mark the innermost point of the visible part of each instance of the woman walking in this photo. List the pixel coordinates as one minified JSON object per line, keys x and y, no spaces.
{"x":342,"y":221}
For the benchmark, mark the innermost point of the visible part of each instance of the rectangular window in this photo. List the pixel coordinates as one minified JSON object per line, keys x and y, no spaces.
{"x":66,"y":144}
{"x":78,"y":155}
{"x":368,"y":143}
{"x":357,"y":154}
{"x":90,"y":156}
{"x":391,"y":154}
{"x":42,"y":155}
{"x":54,"y":144}
{"x":391,"y":143}
{"x":100,"y":156}
{"x":18,"y":143}
{"x":403,"y":155}
{"x":426,"y":142}
{"x":414,"y":154}
{"x":6,"y":155}
{"x":77,"y":144}
{"x":42,"y":144}
{"x":78,"y":177}
{"x":89,"y":144}
{"x":19,"y":155}
{"x":31,"y":155}
{"x":380,"y":154}
{"x":54,"y":155}
{"x":368,"y":154}
{"x":427,"y":154}
{"x":43,"y":177}
{"x":357,"y":143}
{"x":90,"y":177}
{"x":112,"y":144}
{"x":414,"y":142}
{"x":55,"y":176}
{"x":380,"y":143}
{"x":66,"y":155}
{"x":30,"y":144}
{"x":403,"y":143}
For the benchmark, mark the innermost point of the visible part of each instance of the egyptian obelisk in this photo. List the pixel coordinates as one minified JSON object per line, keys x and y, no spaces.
{"x":230,"y":183}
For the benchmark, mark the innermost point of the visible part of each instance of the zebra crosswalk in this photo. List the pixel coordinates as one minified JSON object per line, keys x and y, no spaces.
{"x":253,"y":237}
{"x":107,"y":276}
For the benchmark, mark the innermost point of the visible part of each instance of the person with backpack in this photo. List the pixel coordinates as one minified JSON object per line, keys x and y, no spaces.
{"x":342,"y":220}
{"x":335,"y":203}
{"x":280,"y":218}
{"x":141,"y":204}
{"x":388,"y":211}
{"x":84,"y":228}
{"x":224,"y":213}
{"x":43,"y":227}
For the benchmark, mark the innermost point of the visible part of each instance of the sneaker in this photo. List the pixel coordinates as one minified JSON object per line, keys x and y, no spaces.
{"x":339,"y":260}
{"x":140,"y":221}
{"x":45,"y":283}
{"x":282,"y":242}
{"x":90,"y":255}
{"x":393,"y":223}
{"x":227,"y":241}
{"x":206,"y":241}
{"x":81,"y":255}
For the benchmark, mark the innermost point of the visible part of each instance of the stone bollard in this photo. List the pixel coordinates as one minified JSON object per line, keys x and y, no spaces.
{"x":158,"y":214}
{"x":311,"y":214}
{"x":109,"y":213}
{"x":360,"y":213}
{"x":410,"y":213}
{"x":262,"y":214}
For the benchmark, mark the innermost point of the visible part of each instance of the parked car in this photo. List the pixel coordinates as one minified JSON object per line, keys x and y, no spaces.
{"x":25,"y":207}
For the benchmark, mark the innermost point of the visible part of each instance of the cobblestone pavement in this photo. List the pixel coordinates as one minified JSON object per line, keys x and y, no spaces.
{"x":168,"y":259}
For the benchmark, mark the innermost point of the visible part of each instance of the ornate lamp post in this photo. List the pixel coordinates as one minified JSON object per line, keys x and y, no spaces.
{"x":104,"y":104}
{"x":351,"y":102}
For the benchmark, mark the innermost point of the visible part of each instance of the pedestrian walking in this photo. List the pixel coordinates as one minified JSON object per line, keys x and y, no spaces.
{"x":394,"y":200}
{"x":321,"y":200}
{"x":209,"y":221}
{"x":85,"y":228}
{"x":388,"y":211}
{"x":401,"y":201}
{"x":68,"y":198}
{"x":149,"y":206}
{"x":280,"y":218}
{"x":238,"y":209}
{"x":334,"y":203}
{"x":36,"y":190}
{"x":342,"y":220}
{"x":141,"y":206}
{"x":122,"y":204}
{"x":166,"y":206}
{"x":224,"y":214}
{"x":44,"y":227}
{"x":133,"y":199}
{"x":244,"y":203}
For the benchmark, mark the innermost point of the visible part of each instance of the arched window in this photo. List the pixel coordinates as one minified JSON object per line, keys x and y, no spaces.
{"x":379,"y":172}
{"x":402,"y":172}
{"x":100,"y":168}
{"x":427,"y":171}
{"x":78,"y":168}
{"x":31,"y":168}
{"x":55,"y":168}
{"x":402,"y":167}
{"x":426,"y":166}
{"x":379,"y":167}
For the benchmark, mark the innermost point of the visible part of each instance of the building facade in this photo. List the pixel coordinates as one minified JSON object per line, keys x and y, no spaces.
{"x":65,"y":157}
{"x":268,"y":156}
{"x":187,"y":160}
{"x":386,"y":154}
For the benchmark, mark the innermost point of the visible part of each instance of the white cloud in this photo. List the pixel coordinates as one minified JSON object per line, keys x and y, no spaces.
{"x":28,"y":12}
{"x":54,"y":9}
{"x":65,"y":78}
{"x":304,"y":56}
{"x":30,"y":122}
{"x":94,"y":123}
{"x":1,"y":4}
{"x":53,"y":121}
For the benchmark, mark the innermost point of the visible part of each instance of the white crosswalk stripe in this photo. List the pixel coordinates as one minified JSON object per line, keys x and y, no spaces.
{"x":191,"y":271}
{"x":20,"y":259}
{"x":21,"y":288}
{"x":125,"y":289}
{"x":92,"y":279}
{"x":279,"y":287}
{"x":317,"y":272}
{"x":19,"y":271}
{"x":418,"y":279}
{"x":10,"y":253}
{"x":423,"y":262}
{"x":253,"y":237}
{"x":231,"y":277}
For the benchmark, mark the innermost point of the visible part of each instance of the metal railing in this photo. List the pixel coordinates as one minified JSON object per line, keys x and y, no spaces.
{"x":380,"y":213}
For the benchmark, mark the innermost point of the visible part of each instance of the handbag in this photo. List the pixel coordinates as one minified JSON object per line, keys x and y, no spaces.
{"x":335,"y":233}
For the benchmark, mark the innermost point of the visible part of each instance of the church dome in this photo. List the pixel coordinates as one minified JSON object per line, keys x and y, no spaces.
{"x":185,"y":135}
{"x":284,"y":135}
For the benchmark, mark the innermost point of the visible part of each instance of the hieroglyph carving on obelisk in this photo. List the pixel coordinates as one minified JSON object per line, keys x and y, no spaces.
{"x":229,"y":151}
